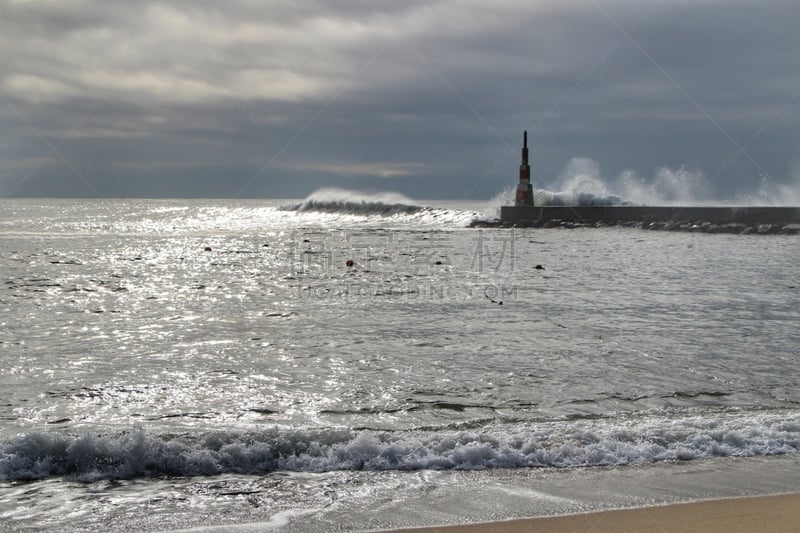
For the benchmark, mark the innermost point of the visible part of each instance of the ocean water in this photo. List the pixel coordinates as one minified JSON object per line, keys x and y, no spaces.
{"x":184,"y":364}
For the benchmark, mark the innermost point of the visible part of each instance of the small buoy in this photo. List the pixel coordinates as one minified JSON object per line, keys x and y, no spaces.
{"x":539,"y":267}
{"x":207,"y":248}
{"x":438,"y":262}
{"x":349,"y":263}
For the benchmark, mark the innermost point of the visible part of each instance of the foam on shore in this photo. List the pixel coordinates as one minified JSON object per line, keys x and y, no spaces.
{"x":778,"y":514}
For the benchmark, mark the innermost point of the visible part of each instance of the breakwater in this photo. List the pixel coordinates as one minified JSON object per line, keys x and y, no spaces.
{"x":695,"y":218}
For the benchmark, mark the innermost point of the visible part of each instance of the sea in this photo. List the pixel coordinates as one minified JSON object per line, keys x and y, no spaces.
{"x":361,"y":363}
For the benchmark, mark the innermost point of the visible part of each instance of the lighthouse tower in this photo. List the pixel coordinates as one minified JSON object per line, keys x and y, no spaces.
{"x":524,"y":188}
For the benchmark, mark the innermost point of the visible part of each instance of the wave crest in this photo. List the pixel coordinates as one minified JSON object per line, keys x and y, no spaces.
{"x":350,"y":202}
{"x":577,"y":198}
{"x":138,"y":454}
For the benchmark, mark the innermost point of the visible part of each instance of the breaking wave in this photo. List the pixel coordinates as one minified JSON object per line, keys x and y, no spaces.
{"x":348,"y":207}
{"x":138,"y":454}
{"x":542,"y":197}
{"x":581,"y":183}
{"x":577,"y":199}
{"x":350,"y":202}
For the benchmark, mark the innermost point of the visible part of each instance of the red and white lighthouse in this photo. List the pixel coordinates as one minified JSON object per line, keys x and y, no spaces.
{"x":524,"y":194}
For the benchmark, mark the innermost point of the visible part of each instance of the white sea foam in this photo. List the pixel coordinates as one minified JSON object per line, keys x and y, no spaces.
{"x":353,"y":202}
{"x":490,"y":211}
{"x":583,"y":184}
{"x":554,"y":444}
{"x":543,"y":197}
{"x":207,"y":351}
{"x":771,"y":193}
{"x":341,"y":204}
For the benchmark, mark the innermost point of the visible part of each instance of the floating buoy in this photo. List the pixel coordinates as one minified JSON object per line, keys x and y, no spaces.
{"x":539,"y":267}
{"x":207,"y":248}
{"x":349,"y":263}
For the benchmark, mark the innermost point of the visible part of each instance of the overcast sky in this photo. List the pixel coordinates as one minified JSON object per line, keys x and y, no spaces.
{"x":279,"y":98}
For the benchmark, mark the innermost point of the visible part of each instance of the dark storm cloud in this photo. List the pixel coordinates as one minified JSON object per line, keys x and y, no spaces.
{"x":277,"y":99}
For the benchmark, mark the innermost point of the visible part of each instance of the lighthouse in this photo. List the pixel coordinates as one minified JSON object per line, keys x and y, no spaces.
{"x":524,"y":188}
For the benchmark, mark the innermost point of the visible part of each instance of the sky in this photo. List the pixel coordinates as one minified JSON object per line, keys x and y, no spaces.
{"x":279,"y":98}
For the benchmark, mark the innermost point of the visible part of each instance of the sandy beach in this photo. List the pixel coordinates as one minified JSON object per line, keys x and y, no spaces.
{"x":777,"y":514}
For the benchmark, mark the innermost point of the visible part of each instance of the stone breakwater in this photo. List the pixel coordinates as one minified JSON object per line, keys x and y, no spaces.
{"x":738,"y":220}
{"x":696,"y":226}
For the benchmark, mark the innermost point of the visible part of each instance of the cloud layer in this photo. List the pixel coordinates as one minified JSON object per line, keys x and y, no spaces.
{"x":429,"y":98}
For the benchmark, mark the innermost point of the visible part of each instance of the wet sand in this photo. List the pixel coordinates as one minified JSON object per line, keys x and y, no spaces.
{"x":778,"y":514}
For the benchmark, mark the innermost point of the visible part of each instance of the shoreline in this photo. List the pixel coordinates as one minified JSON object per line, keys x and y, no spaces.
{"x":777,"y":513}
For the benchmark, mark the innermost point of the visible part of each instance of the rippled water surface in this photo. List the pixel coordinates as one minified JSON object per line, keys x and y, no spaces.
{"x":142,"y":339}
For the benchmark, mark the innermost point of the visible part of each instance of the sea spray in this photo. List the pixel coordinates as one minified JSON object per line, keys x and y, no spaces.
{"x":344,"y":206}
{"x":140,"y":454}
{"x":581,"y":183}
{"x":354,"y":202}
{"x":772,"y":193}
{"x":491,"y":210}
